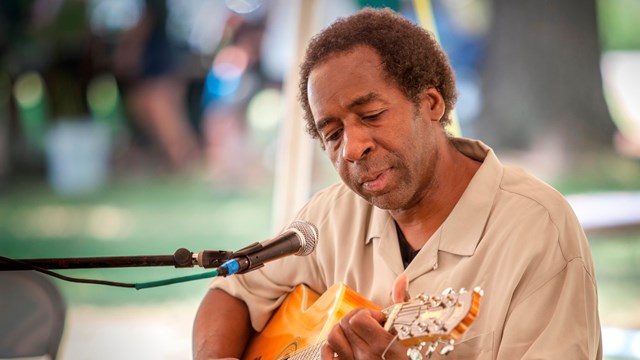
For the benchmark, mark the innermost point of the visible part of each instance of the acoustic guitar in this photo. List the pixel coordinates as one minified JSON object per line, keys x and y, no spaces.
{"x":300,"y":327}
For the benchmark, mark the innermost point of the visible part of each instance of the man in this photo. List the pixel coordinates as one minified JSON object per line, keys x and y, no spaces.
{"x":418,"y":211}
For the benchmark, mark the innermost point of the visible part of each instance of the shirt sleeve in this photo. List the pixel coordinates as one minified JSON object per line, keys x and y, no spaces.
{"x":559,"y":320}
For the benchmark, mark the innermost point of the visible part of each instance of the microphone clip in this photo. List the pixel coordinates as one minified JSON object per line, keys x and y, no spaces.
{"x":242,"y":257}
{"x":211,"y":258}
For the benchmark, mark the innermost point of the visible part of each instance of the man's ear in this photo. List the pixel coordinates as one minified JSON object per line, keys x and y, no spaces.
{"x":432,"y":103}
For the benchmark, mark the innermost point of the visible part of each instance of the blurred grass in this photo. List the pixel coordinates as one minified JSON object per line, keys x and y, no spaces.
{"x":617,"y":259}
{"x":618,"y":23}
{"x":143,"y":216}
{"x":602,"y":171}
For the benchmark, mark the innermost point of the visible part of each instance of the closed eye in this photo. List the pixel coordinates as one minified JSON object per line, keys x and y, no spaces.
{"x":372,"y":117}
{"x":334,"y":135}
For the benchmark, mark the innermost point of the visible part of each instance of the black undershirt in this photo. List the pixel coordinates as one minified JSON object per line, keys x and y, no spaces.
{"x":406,"y":251}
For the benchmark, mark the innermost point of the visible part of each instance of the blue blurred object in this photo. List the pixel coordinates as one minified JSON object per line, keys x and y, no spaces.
{"x":466,"y":49}
{"x":219,"y":88}
{"x":77,"y":154}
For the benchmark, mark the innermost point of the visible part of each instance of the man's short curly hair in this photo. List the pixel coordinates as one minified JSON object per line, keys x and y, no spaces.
{"x":410,"y":56}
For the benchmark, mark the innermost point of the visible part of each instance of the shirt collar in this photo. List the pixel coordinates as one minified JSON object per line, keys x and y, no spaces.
{"x":381,"y":224}
{"x":462,"y":230}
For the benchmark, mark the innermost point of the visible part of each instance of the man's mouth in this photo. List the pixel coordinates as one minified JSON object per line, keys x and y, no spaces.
{"x":375,"y":181}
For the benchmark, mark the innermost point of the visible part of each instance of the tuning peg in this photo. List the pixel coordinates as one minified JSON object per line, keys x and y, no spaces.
{"x":435,"y":326}
{"x":448,"y":291}
{"x":421,"y":298}
{"x":434,"y":301}
{"x":447,"y":348}
{"x":414,"y":354}
{"x":450,"y":297}
{"x":404,"y":331}
{"x":432,"y":349}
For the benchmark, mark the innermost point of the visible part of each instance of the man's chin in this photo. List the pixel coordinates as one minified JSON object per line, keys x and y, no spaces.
{"x":383,"y":201}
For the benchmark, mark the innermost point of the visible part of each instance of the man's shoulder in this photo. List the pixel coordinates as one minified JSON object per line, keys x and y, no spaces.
{"x":518,"y":182}
{"x":532,"y":197}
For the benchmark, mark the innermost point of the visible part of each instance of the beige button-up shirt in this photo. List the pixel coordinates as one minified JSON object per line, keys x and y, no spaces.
{"x":510,"y":234}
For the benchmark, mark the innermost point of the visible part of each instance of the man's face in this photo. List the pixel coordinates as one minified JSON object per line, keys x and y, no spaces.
{"x":382,"y":144}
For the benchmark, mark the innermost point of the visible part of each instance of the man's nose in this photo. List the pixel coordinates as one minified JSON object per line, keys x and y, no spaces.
{"x":357,"y":143}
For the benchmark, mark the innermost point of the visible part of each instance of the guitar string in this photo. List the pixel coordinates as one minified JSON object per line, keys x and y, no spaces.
{"x":313,"y":352}
{"x":310,"y":352}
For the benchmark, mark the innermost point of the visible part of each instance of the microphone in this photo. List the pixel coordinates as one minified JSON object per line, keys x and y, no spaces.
{"x":299,"y":239}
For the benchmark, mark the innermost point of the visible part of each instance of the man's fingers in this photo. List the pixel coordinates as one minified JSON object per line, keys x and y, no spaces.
{"x":338,"y":343}
{"x":365,"y":333}
{"x":366,"y":325}
{"x":326,"y":352}
{"x":358,"y":335}
{"x":355,"y":327}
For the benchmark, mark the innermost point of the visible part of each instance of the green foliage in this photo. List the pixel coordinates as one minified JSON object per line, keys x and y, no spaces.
{"x":604,"y":171}
{"x":618,"y":23}
{"x":616,"y":256}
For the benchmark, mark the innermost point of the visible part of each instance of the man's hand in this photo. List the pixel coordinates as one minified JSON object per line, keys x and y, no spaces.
{"x":360,"y":335}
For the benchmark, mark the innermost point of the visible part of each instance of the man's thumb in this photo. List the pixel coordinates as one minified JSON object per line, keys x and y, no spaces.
{"x":400,"y":290}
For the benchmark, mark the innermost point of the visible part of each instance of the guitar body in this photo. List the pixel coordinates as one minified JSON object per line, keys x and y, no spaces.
{"x":304,"y":320}
{"x":299,"y":328}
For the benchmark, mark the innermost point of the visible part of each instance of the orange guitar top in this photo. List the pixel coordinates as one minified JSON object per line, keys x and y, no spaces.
{"x":303,"y":321}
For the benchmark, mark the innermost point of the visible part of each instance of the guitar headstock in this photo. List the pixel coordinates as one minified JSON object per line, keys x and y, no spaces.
{"x":430,"y":320}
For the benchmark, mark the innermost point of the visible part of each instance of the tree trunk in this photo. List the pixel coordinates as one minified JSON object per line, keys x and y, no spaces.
{"x":541,"y":77}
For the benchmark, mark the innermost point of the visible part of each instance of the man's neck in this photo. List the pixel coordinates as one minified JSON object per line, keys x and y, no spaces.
{"x":453,"y":174}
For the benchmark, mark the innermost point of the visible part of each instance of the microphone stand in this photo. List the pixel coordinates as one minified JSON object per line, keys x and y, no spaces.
{"x":182,"y":258}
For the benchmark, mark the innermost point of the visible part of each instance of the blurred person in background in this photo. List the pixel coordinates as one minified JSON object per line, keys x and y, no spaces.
{"x":418,"y":211}
{"x":236,"y":76}
{"x":147,"y":60}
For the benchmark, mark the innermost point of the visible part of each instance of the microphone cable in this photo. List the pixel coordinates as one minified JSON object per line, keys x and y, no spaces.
{"x":137,"y":286}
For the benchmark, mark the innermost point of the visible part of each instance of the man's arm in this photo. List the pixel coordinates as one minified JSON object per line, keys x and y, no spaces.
{"x":222,"y":327}
{"x":557,"y":321}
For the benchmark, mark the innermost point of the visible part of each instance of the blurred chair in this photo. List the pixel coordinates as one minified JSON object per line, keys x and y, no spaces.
{"x":32,"y":314}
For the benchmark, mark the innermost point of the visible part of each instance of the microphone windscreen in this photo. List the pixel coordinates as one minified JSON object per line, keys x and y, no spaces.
{"x":309,"y":238}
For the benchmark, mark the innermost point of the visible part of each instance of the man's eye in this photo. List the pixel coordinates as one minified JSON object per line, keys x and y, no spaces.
{"x":332,"y":136}
{"x":371,"y":117}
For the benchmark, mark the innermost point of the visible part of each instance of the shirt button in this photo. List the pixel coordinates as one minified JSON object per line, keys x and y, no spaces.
{"x":435,"y":266}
